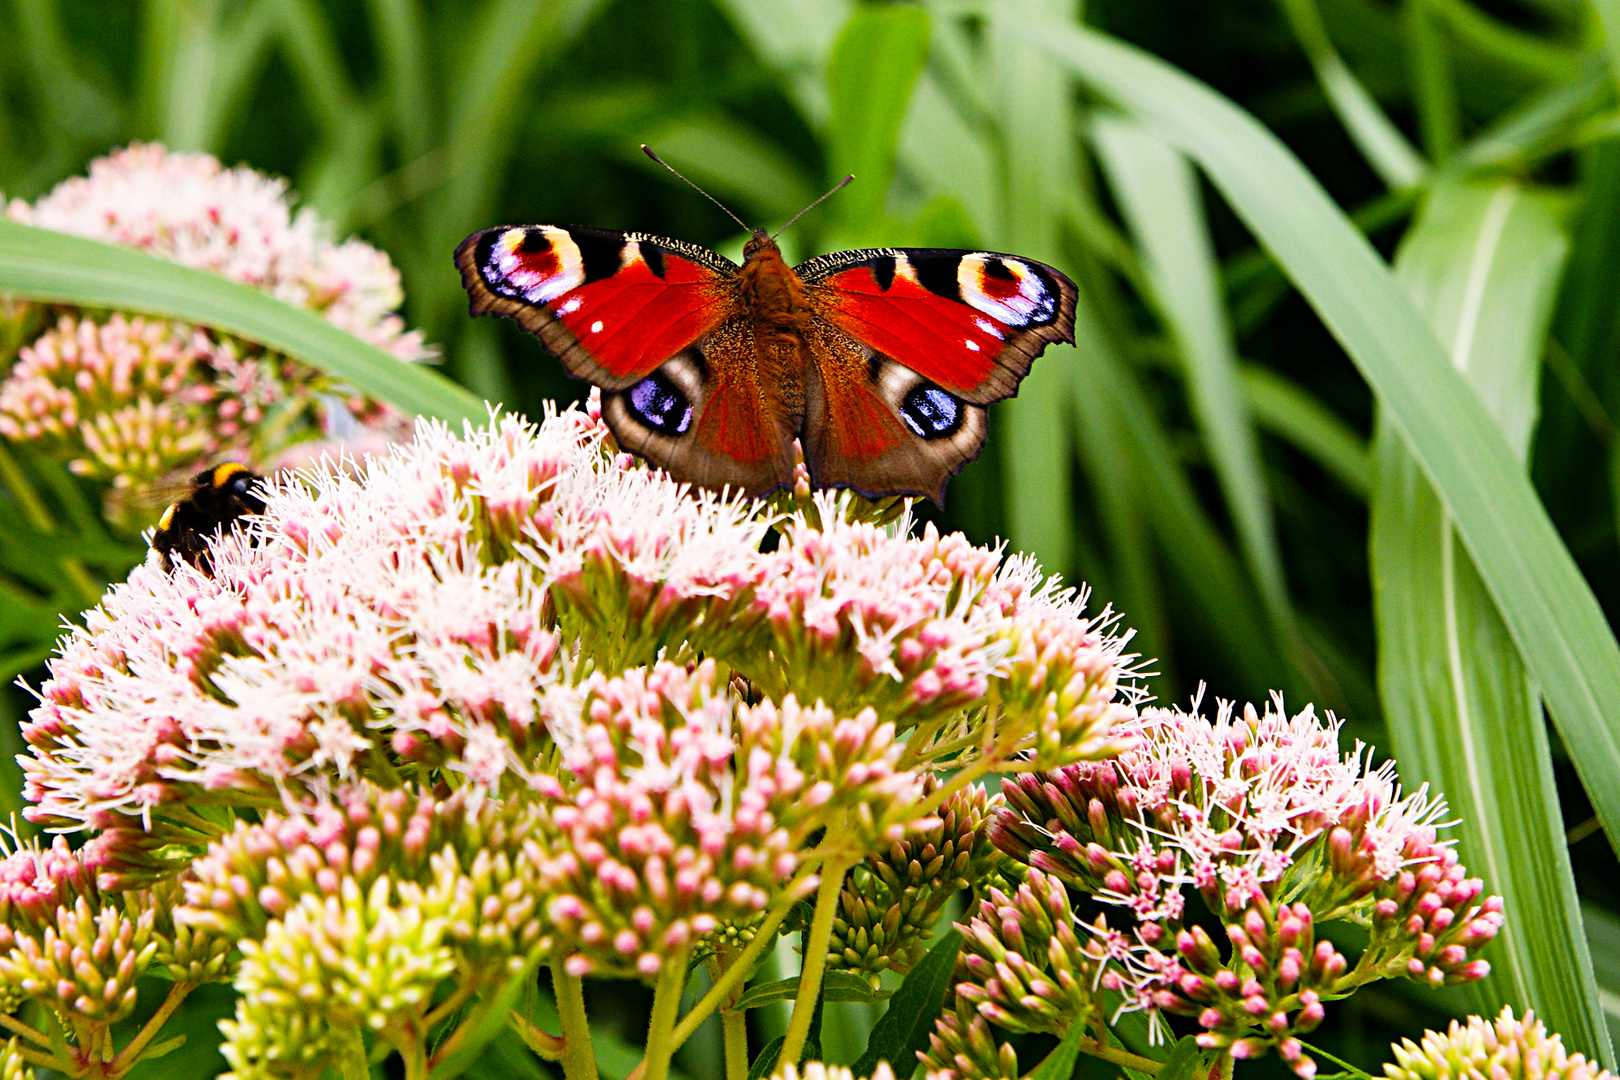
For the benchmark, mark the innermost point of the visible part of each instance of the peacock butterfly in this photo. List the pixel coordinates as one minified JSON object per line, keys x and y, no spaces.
{"x":880,"y":361}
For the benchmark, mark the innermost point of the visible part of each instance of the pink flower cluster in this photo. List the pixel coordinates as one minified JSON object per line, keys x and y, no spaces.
{"x":685,"y":808}
{"x":1276,"y":832}
{"x":142,"y":401}
{"x":237,"y":223}
{"x":434,"y":607}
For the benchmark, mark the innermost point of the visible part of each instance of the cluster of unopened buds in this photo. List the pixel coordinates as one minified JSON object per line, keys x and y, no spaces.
{"x":507,"y":700}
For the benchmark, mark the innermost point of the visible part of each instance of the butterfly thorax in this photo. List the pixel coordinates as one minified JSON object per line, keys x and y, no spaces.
{"x":771,"y":289}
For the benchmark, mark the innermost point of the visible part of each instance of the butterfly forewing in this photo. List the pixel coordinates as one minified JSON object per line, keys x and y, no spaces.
{"x":971,"y":322}
{"x":612,"y":306}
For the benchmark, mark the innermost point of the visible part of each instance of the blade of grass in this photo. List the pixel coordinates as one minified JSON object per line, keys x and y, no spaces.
{"x":1157,"y":192}
{"x":38,"y":264}
{"x":1192,"y":547}
{"x":1528,"y":53}
{"x":402,"y":49}
{"x":732,"y":162}
{"x":1394,"y":159}
{"x":1099,"y":433}
{"x":793,"y":38}
{"x":1482,"y":262}
{"x":1547,"y":606}
{"x":871,"y":72}
{"x":1035,"y":112}
{"x":1286,"y":410}
{"x":1434,"y":90}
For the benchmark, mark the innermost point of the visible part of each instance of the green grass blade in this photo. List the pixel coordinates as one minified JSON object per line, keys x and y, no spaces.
{"x":731,"y":161}
{"x":1157,"y":191}
{"x":1204,"y":567}
{"x":1546,"y":604}
{"x":1100,"y":430}
{"x":1033,"y":99}
{"x":38,"y":264}
{"x":1482,"y":263}
{"x":1608,"y":13}
{"x":1292,"y":414}
{"x":402,"y":50}
{"x":871,"y":73}
{"x":793,"y":37}
{"x":510,"y":41}
{"x":1396,"y":161}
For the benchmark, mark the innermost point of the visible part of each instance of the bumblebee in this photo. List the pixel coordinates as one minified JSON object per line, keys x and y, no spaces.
{"x":219,"y":497}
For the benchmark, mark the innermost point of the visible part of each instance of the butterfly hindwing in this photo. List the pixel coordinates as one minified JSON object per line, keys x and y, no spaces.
{"x":877,"y":426}
{"x":971,"y":322}
{"x":612,"y":306}
{"x":706,"y":417}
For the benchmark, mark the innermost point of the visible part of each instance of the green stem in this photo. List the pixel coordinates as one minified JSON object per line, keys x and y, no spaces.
{"x":666,"y":1006}
{"x":39,"y":517}
{"x":546,"y":1045}
{"x":1120,"y":1057}
{"x":733,"y":1025}
{"x":722,"y":989}
{"x":412,"y":1049}
{"x":578,"y":1057}
{"x":815,"y":955}
{"x":350,"y":1047}
{"x":132,"y":1053}
{"x":17,"y":1027}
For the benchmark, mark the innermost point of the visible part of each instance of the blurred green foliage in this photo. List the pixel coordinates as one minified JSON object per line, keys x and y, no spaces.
{"x":1210,"y":460}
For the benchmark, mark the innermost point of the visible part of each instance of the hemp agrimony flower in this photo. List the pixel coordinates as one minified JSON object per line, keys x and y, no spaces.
{"x":1258,"y":819}
{"x":138,"y":401}
{"x":507,"y":699}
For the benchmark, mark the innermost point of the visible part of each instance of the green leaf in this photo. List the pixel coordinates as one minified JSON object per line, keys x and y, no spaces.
{"x":1394,"y":159}
{"x":1182,"y":1061}
{"x":1482,"y":262}
{"x":766,"y":1062}
{"x":1546,"y":605}
{"x":835,"y":986}
{"x":53,"y":267}
{"x":1059,"y":1064}
{"x":1289,"y":412}
{"x":871,"y":72}
{"x":903,"y":1030}
{"x":1115,"y":415}
{"x":1034,"y":110}
{"x":1158,"y":193}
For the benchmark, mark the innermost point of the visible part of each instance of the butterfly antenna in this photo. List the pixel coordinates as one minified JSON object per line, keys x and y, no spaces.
{"x":836,"y":188}
{"x":645,"y":149}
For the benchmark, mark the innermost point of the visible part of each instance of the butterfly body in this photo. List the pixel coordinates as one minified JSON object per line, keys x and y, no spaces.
{"x":878,"y":361}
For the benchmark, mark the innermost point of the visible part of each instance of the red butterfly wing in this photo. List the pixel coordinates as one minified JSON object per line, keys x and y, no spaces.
{"x":661,"y":327}
{"x":612,"y":306}
{"x":971,"y":322}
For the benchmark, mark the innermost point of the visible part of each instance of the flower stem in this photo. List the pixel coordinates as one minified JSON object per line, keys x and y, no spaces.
{"x":733,"y":1026}
{"x":723,"y":987}
{"x":578,"y":1057}
{"x":815,"y":956}
{"x":1119,"y":1056}
{"x":666,"y":1006}
{"x":131,"y":1054}
{"x":17,"y":1027}
{"x":350,"y":1046}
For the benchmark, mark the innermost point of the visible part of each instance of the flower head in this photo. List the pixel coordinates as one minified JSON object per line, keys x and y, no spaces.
{"x":1503,"y":1049}
{"x":139,"y":401}
{"x":1276,"y":831}
{"x":237,"y":223}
